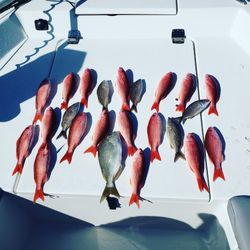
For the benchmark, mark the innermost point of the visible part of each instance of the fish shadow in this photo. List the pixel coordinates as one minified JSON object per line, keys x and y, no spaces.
{"x":130,"y":76}
{"x":201,"y":152}
{"x":163,"y":122}
{"x":53,"y":159}
{"x":223,"y":142}
{"x":113,"y":203}
{"x":36,"y":137}
{"x":173,"y":83}
{"x":112,"y":119}
{"x":194,"y":87}
{"x":94,"y":80}
{"x":58,"y":114}
{"x":217,"y":86}
{"x":54,"y":87}
{"x":134,"y":122}
{"x":88,"y":127}
{"x":77,"y":83}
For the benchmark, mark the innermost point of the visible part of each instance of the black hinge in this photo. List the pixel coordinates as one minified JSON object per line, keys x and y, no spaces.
{"x":74,"y":36}
{"x":178,"y":36}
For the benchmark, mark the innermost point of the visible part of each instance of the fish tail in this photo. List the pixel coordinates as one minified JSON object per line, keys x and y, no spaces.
{"x":180,"y":107}
{"x":18,"y":168}
{"x":62,"y":134}
{"x":67,"y":156}
{"x":84,"y":102}
{"x":64,"y":105}
{"x":134,"y":107}
{"x":218,"y":173}
{"x":155,"y":106}
{"x":131,"y":150}
{"x":179,"y":155}
{"x":125,"y":106}
{"x":38,"y":194}
{"x":108,"y":191}
{"x":134,"y":199}
{"x":154,"y":155}
{"x":38,"y":116}
{"x":91,"y":149}
{"x":213,"y":110}
{"x":202,"y":184}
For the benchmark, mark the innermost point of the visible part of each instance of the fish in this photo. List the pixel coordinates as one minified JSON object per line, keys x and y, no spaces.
{"x":48,"y":125}
{"x":194,"y":109}
{"x":101,"y":129}
{"x":154,"y":130}
{"x":135,"y":93}
{"x":69,"y":88}
{"x":76,"y":132}
{"x":42,"y":97}
{"x":68,"y":117}
{"x":187,"y":89}
{"x":164,"y":87}
{"x":214,"y":148}
{"x":126,"y":130}
{"x":104,"y":93}
{"x":137,"y":176}
{"x":175,"y":135}
{"x":23,"y":147}
{"x":123,"y":88}
{"x":111,"y":163}
{"x":195,"y":159}
{"x":41,"y":167}
{"x":213,"y":93}
{"x":86,"y":86}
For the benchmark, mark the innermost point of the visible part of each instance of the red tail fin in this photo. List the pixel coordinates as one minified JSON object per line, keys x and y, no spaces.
{"x":131,"y":150}
{"x":218,"y":173}
{"x":202,"y":184}
{"x":67,"y":156}
{"x":213,"y":110}
{"x":155,"y":106}
{"x":38,"y":194}
{"x":64,"y":105}
{"x":154,"y":155}
{"x":134,"y":199}
{"x":18,"y":168}
{"x":91,"y":149}
{"x":38,"y":116}
{"x":180,"y":108}
{"x":84,"y":102}
{"x":125,"y":106}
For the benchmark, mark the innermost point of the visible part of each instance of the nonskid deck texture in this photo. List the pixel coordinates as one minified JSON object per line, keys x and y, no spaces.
{"x":143,"y":47}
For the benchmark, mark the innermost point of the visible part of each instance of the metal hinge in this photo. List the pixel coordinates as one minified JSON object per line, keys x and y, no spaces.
{"x":74,"y":36}
{"x":178,"y":36}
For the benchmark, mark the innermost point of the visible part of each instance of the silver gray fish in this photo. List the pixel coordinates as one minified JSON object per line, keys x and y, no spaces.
{"x":194,"y":109}
{"x":104,"y":93}
{"x":68,"y":117}
{"x":136,"y":93}
{"x":175,"y":135}
{"x":111,"y":163}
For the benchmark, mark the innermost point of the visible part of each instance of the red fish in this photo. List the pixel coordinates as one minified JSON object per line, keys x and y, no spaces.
{"x":42,"y":97}
{"x":213,"y":93}
{"x":123,"y":88}
{"x":23,"y":147}
{"x":194,"y":159}
{"x":48,"y":125}
{"x":164,"y":87}
{"x":154,"y":136}
{"x":101,"y":129}
{"x":137,"y":176}
{"x":76,"y":133}
{"x":69,"y":87}
{"x":41,"y":167}
{"x":126,"y":130}
{"x":86,"y":86}
{"x":186,"y":91}
{"x":214,"y":149}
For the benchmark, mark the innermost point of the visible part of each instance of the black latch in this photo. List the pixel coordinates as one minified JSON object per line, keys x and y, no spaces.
{"x":74,"y":36}
{"x":41,"y":24}
{"x":178,"y":36}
